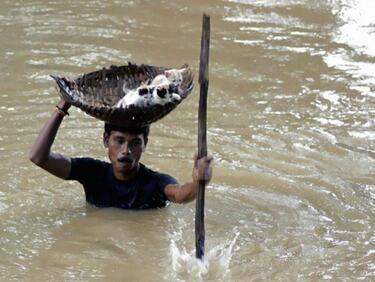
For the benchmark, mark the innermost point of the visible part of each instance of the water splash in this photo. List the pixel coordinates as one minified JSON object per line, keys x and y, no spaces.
{"x":214,"y":265}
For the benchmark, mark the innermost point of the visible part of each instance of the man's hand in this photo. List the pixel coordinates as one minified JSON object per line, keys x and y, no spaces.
{"x":202,"y":170}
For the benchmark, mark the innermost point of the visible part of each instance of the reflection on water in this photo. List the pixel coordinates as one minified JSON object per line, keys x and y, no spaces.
{"x":356,"y":33}
{"x":291,"y":127}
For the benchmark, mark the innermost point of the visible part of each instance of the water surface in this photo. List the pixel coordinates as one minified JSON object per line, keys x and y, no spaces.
{"x":291,"y":127}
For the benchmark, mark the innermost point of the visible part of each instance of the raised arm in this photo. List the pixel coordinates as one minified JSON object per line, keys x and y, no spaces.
{"x":41,"y":154}
{"x":202,"y":171}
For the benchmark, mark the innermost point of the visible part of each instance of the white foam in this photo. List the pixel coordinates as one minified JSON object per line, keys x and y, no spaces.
{"x":330,"y":96}
{"x":330,"y":137}
{"x":363,"y":135}
{"x":325,"y":121}
{"x":215,"y":263}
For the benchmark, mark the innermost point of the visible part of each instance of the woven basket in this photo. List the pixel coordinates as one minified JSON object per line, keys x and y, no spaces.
{"x":98,"y":92}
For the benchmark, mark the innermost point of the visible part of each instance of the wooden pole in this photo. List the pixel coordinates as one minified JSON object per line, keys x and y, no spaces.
{"x":202,"y":133}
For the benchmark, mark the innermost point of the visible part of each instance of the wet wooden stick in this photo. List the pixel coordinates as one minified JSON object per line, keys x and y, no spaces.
{"x":202,"y":134}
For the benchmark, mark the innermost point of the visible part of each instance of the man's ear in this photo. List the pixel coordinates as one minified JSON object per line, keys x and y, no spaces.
{"x":105,"y":139}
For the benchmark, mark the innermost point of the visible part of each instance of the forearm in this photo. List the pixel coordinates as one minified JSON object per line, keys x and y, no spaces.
{"x":41,"y":149}
{"x":187,"y":192}
{"x":202,"y":172}
{"x":182,"y":193}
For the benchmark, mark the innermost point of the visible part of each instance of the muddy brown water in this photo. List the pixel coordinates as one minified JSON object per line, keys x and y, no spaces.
{"x":291,"y":127}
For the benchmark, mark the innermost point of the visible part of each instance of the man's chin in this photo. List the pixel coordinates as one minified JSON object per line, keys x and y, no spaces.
{"x":127,"y":167}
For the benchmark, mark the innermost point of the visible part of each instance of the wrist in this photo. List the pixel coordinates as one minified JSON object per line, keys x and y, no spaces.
{"x":61,"y":111}
{"x":63,"y":105}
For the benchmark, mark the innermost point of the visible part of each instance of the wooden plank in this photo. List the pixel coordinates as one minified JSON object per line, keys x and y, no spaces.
{"x":202,"y":134}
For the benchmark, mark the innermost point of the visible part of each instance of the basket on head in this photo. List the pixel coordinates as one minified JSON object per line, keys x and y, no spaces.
{"x":97,"y":93}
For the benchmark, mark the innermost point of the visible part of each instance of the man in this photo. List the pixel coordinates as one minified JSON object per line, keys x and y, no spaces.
{"x":123,"y":183}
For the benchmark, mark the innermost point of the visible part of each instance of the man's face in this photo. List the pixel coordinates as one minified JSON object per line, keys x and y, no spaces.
{"x":124,"y":151}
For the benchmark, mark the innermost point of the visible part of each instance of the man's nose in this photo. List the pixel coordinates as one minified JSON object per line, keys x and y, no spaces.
{"x":125,"y":149}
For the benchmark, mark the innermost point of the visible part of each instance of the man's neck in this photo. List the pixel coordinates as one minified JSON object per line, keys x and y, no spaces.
{"x":127,"y":176}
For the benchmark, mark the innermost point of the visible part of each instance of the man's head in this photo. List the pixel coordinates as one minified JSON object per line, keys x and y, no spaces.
{"x":145,"y":130}
{"x":125,"y":147}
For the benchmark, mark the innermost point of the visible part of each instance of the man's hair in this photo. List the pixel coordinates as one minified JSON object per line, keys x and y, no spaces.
{"x":145,"y":130}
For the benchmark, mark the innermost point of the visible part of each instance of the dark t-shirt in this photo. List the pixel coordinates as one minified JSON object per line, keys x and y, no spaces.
{"x":102,"y":189}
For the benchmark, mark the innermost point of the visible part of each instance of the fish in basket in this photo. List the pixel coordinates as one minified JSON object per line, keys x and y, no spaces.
{"x":130,"y":95}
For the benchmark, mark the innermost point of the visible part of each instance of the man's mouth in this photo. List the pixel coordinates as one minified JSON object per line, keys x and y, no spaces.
{"x":125,"y":159}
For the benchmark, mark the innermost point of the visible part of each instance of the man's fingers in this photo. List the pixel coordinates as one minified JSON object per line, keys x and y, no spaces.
{"x":209,"y":159}
{"x":72,"y":84}
{"x":202,"y":168}
{"x":205,"y":160}
{"x":207,"y":173}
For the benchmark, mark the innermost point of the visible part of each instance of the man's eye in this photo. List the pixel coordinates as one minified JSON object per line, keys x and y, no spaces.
{"x":135,"y":143}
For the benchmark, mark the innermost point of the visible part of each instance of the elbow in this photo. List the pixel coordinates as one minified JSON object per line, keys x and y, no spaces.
{"x":36,"y":159}
{"x":179,"y":200}
{"x":180,"y":193}
{"x":186,"y":200}
{"x":183,"y":199}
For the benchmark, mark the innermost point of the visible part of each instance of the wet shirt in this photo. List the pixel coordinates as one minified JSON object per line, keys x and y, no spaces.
{"x":102,"y":189}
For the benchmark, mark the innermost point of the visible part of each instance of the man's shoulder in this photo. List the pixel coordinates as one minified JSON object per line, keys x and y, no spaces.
{"x":146,"y":171}
{"x":158,"y":176}
{"x":82,"y":167}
